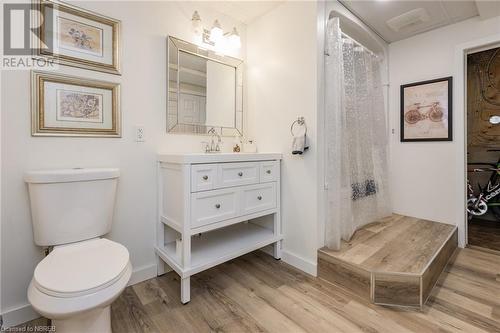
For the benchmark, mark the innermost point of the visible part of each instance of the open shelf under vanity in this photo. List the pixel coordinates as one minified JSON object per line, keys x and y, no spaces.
{"x":215,"y":247}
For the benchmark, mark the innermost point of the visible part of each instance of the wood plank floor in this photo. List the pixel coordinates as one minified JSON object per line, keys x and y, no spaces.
{"x":394,"y":244}
{"x":256,"y":293}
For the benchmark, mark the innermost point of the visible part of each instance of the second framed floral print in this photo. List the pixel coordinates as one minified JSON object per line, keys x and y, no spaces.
{"x":77,"y":37}
{"x":64,"y":105}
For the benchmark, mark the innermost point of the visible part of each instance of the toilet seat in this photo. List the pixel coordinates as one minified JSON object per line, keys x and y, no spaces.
{"x":66,"y":307}
{"x":81,"y":268}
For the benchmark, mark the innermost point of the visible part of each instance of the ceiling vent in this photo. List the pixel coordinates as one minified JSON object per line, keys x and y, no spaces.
{"x":411,"y":18}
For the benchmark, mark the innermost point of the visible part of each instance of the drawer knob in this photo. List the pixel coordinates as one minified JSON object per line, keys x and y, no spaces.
{"x":240,"y":174}
{"x":217,"y":206}
{"x":268,"y":172}
{"x":259,"y":197}
{"x":205,"y":177}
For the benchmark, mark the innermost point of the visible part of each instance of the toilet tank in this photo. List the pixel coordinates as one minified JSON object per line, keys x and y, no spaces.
{"x":71,"y":205}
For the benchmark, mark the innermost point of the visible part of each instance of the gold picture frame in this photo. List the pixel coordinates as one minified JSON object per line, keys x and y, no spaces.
{"x":63,"y":105}
{"x":85,"y":29}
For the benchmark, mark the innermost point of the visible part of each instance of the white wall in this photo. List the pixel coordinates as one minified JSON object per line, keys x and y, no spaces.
{"x":143,"y":82}
{"x":282,"y":85}
{"x":426,"y":176}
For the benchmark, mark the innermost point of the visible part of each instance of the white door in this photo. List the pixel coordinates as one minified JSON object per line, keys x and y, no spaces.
{"x":192,"y":109}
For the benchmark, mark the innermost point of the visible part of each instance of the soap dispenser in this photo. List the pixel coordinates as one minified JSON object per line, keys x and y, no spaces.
{"x":237,"y":144}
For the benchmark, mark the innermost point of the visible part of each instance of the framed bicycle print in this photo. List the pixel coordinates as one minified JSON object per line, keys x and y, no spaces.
{"x":77,"y":37}
{"x":426,"y":110}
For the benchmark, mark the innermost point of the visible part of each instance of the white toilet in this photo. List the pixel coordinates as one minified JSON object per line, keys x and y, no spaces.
{"x":75,"y":284}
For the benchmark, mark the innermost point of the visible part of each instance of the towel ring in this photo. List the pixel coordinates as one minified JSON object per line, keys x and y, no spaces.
{"x":299,"y":122}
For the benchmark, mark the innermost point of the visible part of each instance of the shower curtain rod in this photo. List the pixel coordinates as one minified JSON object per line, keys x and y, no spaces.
{"x":359,"y":44}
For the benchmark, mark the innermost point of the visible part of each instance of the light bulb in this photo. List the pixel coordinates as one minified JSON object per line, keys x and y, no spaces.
{"x":216,"y":32}
{"x":196,"y":22}
{"x":234,"y":39}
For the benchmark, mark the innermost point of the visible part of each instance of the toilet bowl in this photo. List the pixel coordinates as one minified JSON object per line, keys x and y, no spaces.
{"x":76,"y":284}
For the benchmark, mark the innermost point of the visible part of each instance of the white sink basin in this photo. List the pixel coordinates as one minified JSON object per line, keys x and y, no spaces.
{"x":192,"y":158}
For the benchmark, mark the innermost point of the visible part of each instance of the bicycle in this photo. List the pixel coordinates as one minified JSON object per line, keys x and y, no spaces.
{"x":414,"y":115}
{"x":489,"y":195}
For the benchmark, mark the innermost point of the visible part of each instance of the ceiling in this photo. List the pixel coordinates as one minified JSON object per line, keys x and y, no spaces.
{"x":244,"y":11}
{"x":376,"y":13}
{"x":435,"y":14}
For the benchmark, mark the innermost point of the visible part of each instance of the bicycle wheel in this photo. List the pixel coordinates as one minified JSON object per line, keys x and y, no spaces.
{"x":476,"y":209}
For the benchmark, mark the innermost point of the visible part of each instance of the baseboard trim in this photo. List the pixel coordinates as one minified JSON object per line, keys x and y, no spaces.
{"x":142,"y":274}
{"x":26,"y":313}
{"x":299,"y":262}
{"x":18,"y":316}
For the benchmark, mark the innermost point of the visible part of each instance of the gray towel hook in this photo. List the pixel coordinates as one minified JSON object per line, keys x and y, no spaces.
{"x":300,"y":121}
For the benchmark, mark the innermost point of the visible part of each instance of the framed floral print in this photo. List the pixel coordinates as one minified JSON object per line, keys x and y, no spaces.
{"x":426,"y":110}
{"x":77,"y":37}
{"x":70,"y":106}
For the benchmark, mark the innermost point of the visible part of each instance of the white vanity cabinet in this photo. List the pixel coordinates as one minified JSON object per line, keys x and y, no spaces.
{"x":209,"y":205}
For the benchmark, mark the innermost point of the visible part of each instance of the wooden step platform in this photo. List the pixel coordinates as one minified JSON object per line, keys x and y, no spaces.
{"x":394,"y":261}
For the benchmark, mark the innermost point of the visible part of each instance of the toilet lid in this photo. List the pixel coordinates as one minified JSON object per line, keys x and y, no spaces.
{"x":81,"y":268}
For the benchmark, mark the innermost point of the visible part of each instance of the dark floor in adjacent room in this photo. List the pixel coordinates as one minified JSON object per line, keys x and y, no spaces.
{"x":484,"y":233}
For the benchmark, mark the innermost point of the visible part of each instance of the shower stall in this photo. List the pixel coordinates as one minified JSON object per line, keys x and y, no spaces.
{"x":355,"y":131}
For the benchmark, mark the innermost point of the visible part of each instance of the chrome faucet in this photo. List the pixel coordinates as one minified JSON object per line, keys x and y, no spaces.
{"x":213,"y":147}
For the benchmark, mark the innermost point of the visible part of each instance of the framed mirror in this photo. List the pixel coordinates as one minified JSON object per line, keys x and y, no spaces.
{"x":205,"y":90}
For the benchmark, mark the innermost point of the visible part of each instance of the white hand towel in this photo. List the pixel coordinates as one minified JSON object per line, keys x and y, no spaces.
{"x":299,"y":144}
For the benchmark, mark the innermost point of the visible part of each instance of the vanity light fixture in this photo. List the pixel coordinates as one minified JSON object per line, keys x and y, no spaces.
{"x":196,"y":22}
{"x":234,"y":38}
{"x":216,"y":32}
{"x":215,"y":36}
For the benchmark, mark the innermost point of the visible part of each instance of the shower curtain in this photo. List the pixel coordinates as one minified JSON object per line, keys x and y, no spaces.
{"x":356,"y":138}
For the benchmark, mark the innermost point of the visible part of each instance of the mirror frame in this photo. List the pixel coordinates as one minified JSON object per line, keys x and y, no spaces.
{"x":173,"y":126}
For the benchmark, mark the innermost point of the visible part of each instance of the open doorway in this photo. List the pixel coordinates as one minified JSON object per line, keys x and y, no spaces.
{"x":483,"y":148}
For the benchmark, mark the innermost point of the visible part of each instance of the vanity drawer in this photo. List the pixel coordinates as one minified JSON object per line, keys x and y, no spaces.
{"x":269,"y":171}
{"x":203,"y":177}
{"x":258,"y":198}
{"x":213,"y":206}
{"x":236,"y":174}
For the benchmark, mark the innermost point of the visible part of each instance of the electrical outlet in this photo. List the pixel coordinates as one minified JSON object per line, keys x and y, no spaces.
{"x":139,"y":133}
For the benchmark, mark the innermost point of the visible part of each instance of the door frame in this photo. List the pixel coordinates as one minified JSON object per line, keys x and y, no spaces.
{"x":460,"y":109}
